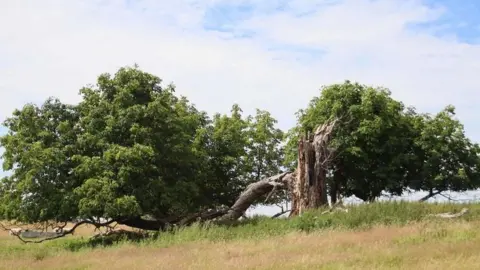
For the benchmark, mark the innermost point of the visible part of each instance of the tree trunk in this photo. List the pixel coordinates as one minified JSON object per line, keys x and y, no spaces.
{"x":337,"y":183}
{"x":334,"y":189}
{"x":255,"y":191}
{"x":431,"y":194}
{"x":309,"y":188}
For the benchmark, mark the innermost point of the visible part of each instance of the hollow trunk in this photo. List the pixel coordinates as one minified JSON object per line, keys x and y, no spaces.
{"x":309,"y":187}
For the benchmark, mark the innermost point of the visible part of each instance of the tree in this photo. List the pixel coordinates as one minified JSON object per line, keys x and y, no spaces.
{"x":224,"y":149}
{"x":371,"y":125}
{"x":445,"y":158}
{"x":134,"y":153}
{"x":126,"y":151}
{"x":39,"y":147}
{"x":131,"y":152}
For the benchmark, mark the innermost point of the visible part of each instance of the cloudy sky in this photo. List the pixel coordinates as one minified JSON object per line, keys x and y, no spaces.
{"x":273,"y":56}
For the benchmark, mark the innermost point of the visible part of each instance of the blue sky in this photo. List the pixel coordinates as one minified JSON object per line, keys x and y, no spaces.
{"x":460,"y":19}
{"x":272,"y":55}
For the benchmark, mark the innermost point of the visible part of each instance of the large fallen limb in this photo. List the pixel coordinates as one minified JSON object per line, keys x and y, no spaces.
{"x":253,"y":192}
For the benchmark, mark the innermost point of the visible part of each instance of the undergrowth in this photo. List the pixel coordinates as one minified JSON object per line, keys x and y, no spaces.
{"x":358,"y":218}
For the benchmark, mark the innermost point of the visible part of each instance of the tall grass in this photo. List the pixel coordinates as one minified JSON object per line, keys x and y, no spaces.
{"x":359,"y":217}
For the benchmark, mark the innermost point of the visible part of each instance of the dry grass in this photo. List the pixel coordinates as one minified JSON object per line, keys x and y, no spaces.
{"x":432,"y":245}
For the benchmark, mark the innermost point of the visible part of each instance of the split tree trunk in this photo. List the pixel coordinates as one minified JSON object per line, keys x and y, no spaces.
{"x":309,"y":189}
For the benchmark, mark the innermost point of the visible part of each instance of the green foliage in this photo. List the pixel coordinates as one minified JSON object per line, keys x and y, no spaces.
{"x":372,"y":138}
{"x":130,"y":148}
{"x":265,"y":155}
{"x":38,"y":148}
{"x":383,"y":146}
{"x":446,"y":159}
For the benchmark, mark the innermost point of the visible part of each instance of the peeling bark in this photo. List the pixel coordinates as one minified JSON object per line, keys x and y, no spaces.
{"x":314,"y":156}
{"x":253,"y":192}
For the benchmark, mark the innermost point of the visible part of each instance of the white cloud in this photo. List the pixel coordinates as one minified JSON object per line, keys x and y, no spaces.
{"x":55,"y":47}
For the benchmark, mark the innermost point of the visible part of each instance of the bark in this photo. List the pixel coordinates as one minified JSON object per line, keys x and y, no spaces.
{"x":253,"y":192}
{"x":298,"y":200}
{"x":280,"y":213}
{"x":337,"y":181}
{"x":314,"y":157}
{"x":144,"y":224}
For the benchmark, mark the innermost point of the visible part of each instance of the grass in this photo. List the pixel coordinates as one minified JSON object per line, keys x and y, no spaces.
{"x":372,"y":236}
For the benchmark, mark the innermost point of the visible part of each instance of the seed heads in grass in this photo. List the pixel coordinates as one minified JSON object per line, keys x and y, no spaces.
{"x":40,"y":255}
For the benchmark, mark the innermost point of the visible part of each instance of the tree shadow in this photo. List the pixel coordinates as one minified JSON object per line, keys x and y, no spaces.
{"x":102,"y":241}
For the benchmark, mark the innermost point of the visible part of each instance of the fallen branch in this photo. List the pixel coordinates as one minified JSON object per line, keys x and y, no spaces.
{"x":280,"y":213}
{"x":335,"y":209}
{"x":449,"y":215}
{"x":448,"y":197}
{"x":430,"y":195}
{"x":64,"y":233}
{"x":221,"y":216}
{"x":253,"y":192}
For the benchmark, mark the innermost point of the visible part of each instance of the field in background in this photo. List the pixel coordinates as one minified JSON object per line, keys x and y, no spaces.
{"x":375,"y":236}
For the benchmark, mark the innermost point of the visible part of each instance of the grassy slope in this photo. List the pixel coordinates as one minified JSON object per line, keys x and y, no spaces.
{"x":376,"y":236}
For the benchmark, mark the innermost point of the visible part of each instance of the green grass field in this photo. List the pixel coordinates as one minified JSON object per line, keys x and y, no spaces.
{"x":370,"y":236}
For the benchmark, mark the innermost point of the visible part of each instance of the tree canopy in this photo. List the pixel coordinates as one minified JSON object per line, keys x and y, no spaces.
{"x":382,"y":145}
{"x":134,"y":151}
{"x":130,"y":148}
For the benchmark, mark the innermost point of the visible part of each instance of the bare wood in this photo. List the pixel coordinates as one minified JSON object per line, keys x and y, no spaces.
{"x":253,"y":192}
{"x":314,"y":158}
{"x":449,"y":215}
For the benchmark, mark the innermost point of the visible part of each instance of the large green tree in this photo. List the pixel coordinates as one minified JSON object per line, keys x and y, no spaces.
{"x":444,"y":158}
{"x":265,"y":153}
{"x":372,"y":139}
{"x":130,"y":151}
{"x":381,"y":145}
{"x":38,"y":149}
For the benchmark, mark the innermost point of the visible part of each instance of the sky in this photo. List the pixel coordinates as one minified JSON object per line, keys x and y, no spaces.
{"x":273,"y":55}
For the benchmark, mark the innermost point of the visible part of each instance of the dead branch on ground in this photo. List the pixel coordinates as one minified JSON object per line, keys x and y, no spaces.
{"x":63,"y":233}
{"x":450,"y":215}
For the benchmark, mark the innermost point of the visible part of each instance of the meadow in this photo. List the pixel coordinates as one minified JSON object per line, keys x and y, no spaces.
{"x":393,"y":235}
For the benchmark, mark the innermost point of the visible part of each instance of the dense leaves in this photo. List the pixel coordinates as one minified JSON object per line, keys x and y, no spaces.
{"x":383,"y":146}
{"x":446,"y":159}
{"x":132,"y":148}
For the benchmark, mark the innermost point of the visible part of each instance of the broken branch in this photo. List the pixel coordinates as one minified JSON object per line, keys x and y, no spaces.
{"x":449,"y":215}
